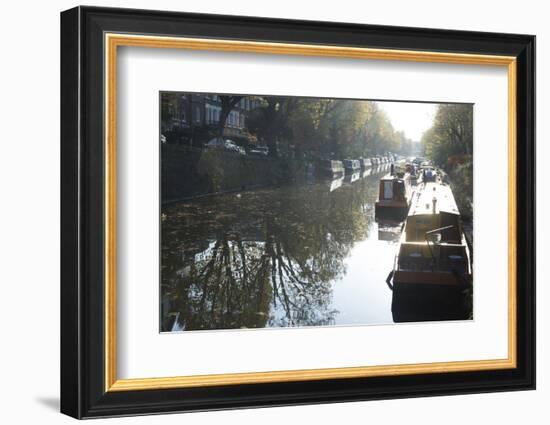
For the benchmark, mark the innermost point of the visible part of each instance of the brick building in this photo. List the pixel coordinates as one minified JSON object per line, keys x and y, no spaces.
{"x":193,"y":117}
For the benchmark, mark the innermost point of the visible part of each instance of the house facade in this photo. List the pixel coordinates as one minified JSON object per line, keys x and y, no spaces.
{"x":189,"y":118}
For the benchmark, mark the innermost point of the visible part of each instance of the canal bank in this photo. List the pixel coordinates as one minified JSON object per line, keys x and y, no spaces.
{"x":188,"y":172}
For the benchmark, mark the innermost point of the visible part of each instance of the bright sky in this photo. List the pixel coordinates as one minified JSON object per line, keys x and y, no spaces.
{"x":411,"y":118}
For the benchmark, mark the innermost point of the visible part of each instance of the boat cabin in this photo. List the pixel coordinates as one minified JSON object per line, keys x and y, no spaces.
{"x":351,"y":165}
{"x":365,"y":163}
{"x":331,"y":168}
{"x":394,"y":196}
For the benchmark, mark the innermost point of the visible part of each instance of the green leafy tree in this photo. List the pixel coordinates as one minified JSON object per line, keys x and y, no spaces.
{"x":451,"y":133}
{"x":345,"y":127}
{"x":270,"y":122}
{"x":449,"y":144}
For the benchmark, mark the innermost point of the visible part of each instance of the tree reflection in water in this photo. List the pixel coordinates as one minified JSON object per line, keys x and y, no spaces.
{"x":262,"y":258}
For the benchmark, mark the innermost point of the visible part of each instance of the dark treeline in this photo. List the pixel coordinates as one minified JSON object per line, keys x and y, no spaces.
{"x":308,"y":128}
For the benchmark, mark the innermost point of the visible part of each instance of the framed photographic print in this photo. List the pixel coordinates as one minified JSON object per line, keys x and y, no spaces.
{"x":261,"y":212}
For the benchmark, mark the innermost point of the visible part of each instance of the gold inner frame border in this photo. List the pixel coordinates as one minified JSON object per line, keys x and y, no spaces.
{"x":111,"y":43}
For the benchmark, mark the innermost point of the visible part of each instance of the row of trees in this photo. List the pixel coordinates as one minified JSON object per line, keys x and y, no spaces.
{"x":449,"y":141}
{"x":449,"y":144}
{"x":312,"y":127}
{"x":326,"y":127}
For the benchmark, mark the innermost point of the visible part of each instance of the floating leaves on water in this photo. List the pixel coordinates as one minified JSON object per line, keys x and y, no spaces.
{"x":260,"y":258}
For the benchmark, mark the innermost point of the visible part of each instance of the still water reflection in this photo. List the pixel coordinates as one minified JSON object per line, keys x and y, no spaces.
{"x":302,"y":255}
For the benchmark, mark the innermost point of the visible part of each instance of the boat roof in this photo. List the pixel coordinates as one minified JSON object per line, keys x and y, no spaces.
{"x":422,"y":202}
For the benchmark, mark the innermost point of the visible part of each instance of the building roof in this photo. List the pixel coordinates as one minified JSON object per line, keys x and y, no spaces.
{"x":422,"y":202}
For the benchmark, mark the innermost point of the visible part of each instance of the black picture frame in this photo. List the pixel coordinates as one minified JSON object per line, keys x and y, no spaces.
{"x":83,"y":392}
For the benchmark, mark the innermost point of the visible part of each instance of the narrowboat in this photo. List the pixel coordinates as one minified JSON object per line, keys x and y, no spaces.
{"x":432,"y":270}
{"x":351,"y":166}
{"x":365,"y":163}
{"x":330,"y":168}
{"x":433,"y":245}
{"x":394,"y":196}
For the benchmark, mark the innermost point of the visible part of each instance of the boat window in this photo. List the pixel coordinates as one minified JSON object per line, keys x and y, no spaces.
{"x":388,"y":190}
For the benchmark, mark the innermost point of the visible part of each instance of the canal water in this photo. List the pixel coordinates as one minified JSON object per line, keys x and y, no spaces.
{"x":308,"y":254}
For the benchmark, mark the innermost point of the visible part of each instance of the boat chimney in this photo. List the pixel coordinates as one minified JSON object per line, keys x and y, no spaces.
{"x":434,"y":203}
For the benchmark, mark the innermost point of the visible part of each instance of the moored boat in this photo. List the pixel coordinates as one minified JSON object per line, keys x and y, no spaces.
{"x":394,"y":196}
{"x":433,"y":245}
{"x":331,"y":168}
{"x":351,"y":166}
{"x":365,"y":163}
{"x":433,"y":267}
